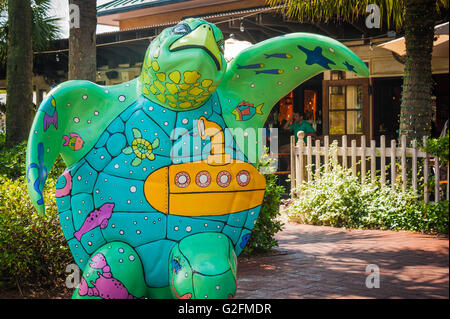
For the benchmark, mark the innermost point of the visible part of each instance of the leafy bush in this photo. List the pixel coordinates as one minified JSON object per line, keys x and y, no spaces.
{"x":262,"y":238}
{"x":12,"y":160}
{"x":34,"y":251}
{"x":439,"y":147}
{"x":337,"y":198}
{"x":33,"y":248}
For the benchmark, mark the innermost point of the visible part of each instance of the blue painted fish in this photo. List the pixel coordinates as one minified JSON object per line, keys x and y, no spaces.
{"x":251,"y":66}
{"x":51,"y":116}
{"x":245,"y":111}
{"x":73,"y":141}
{"x":271,"y":71}
{"x":278,"y":55}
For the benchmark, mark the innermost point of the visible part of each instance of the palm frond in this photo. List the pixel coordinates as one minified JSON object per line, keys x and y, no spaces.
{"x":391,"y":11}
{"x":45,"y":27}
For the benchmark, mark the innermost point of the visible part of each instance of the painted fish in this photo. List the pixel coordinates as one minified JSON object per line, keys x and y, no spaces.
{"x":73,"y":141}
{"x":98,"y":217}
{"x":272,"y":71}
{"x":245,"y":111}
{"x":278,"y":55}
{"x":251,"y":66}
{"x":51,"y":116}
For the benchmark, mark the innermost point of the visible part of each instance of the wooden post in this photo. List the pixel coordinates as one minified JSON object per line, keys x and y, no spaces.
{"x":403,"y":159}
{"x":344,"y":151}
{"x":317,"y":168}
{"x":309,"y":157}
{"x":326,"y":145}
{"x":353,"y":158}
{"x":393,"y":163}
{"x":363,"y":159}
{"x":293,"y":161}
{"x":437,"y":180}
{"x":373,"y":161}
{"x":425,"y":173}
{"x":414,"y":165}
{"x":335,"y":155}
{"x":299,"y":162}
{"x":383,"y":159}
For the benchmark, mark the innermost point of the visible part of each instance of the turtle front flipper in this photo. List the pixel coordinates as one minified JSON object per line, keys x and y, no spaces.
{"x":203,"y":266}
{"x":265,"y":72}
{"x":69,"y":122}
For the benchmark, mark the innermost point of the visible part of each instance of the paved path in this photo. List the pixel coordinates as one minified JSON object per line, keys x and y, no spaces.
{"x":326,"y":262}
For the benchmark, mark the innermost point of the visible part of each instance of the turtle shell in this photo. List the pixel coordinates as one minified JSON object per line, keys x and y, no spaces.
{"x":104,"y":199}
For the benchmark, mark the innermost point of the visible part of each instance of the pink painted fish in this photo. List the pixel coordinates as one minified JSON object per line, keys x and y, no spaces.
{"x":98,"y":217}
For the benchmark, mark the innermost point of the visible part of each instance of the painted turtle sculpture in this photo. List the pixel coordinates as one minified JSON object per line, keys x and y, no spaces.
{"x":158,"y":198}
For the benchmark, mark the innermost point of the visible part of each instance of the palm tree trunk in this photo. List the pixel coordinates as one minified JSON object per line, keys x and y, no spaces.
{"x":82,"y":42}
{"x":416,"y":112}
{"x":19,"y":111}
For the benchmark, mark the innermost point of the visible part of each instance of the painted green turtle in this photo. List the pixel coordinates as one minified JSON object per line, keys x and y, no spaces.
{"x":159,"y":198}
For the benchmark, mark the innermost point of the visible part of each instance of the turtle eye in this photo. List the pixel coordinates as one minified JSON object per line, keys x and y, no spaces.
{"x":180,"y":29}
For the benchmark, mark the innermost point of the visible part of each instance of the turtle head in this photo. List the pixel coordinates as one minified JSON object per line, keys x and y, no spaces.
{"x":184,"y":65}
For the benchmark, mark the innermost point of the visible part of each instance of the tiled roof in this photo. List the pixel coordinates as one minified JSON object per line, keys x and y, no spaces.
{"x":117,"y":6}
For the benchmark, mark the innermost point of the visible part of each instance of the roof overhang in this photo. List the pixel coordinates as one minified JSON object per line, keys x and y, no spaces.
{"x":112,"y":15}
{"x":440,"y":45}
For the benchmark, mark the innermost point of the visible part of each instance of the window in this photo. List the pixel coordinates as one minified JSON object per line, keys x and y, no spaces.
{"x":345,"y":107}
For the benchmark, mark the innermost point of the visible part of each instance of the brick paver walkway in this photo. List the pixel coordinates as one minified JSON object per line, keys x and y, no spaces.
{"x":326,"y":262}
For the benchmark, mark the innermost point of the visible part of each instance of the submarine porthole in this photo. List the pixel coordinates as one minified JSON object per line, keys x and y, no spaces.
{"x":243,"y":178}
{"x":182,"y":179}
{"x":203,"y":179}
{"x":223,"y":178}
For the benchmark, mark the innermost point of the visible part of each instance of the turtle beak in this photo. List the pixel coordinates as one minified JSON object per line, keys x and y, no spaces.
{"x":203,"y":38}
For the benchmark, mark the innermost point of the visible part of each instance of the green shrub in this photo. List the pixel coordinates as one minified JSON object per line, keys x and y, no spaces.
{"x":12,"y":160}
{"x":267,"y":225}
{"x":34,"y":250}
{"x":337,"y":198}
{"x":439,"y":147}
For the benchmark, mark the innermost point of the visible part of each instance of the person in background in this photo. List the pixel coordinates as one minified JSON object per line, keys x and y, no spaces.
{"x":298,"y":125}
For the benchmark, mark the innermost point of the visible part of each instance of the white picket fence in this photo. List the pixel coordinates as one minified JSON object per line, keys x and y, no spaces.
{"x":316,"y":155}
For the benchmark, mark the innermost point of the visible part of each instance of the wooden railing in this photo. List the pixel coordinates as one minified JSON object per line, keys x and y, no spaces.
{"x":302,"y":156}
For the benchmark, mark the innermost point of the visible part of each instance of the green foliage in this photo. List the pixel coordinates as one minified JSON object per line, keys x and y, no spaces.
{"x":439,"y":147}
{"x":267,"y":225}
{"x":337,"y":198}
{"x":44,"y":27}
{"x":12,"y":160}
{"x":34,"y":250}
